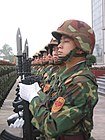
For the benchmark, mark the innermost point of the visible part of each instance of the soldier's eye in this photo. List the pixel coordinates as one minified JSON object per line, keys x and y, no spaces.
{"x":66,"y":41}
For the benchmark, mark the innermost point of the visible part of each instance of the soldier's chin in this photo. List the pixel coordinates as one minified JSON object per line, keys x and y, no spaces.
{"x":60,"y":55}
{"x":55,"y":62}
{"x":56,"y":59}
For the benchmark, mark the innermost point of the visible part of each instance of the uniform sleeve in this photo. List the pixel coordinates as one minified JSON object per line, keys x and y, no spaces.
{"x":76,"y":94}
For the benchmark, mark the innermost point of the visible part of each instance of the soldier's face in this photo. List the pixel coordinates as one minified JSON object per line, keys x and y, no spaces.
{"x":45,"y":57}
{"x":50,"y":58}
{"x":55,"y":53}
{"x":66,"y":45}
{"x":35,"y":61}
{"x":40,"y":60}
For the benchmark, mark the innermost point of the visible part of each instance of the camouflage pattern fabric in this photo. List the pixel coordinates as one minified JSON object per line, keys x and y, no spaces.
{"x":72,"y":113}
{"x":49,"y":78}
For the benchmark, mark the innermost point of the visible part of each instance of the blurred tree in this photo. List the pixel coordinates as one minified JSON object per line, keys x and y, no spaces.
{"x":6,"y":53}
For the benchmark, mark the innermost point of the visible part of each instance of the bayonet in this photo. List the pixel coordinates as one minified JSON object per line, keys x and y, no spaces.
{"x":26,"y":49}
{"x":19,"y":53}
{"x":19,"y":42}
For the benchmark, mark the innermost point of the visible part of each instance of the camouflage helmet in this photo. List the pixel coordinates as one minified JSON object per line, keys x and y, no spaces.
{"x":35,"y":55}
{"x":42,"y":51}
{"x":40,"y":55}
{"x":80,"y":31}
{"x":51,"y":45}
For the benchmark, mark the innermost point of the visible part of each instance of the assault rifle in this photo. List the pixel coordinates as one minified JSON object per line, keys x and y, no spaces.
{"x":24,"y":71}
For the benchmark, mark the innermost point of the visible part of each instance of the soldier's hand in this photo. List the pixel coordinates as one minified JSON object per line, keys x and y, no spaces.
{"x":11,"y":119}
{"x":28,"y":92}
{"x":18,"y":123}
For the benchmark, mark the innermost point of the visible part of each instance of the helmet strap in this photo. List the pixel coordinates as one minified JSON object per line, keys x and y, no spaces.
{"x":68,"y":56}
{"x":72,"y":53}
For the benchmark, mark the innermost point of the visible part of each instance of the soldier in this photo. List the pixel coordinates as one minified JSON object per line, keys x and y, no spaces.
{"x":58,"y":67}
{"x":70,"y":114}
{"x":34,"y":64}
{"x":52,"y":68}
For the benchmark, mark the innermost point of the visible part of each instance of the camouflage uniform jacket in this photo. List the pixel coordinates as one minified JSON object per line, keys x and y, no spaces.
{"x":72,"y":106}
{"x":50,"y":78}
